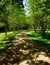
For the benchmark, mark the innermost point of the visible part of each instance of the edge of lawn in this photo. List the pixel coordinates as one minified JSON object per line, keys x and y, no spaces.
{"x":5,"y":41}
{"x":39,"y":40}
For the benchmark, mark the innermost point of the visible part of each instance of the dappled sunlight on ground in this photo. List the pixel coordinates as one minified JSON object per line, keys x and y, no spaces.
{"x":24,"y":51}
{"x":24,"y":63}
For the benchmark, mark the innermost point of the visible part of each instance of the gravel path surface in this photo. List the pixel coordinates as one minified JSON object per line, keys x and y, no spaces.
{"x":24,"y":51}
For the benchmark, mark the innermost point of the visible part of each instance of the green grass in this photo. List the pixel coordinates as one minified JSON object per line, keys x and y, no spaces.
{"x":4,"y":41}
{"x":39,"y":39}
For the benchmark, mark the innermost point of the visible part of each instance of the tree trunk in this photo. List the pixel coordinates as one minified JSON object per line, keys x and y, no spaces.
{"x":34,"y":28}
{"x":43,"y":29}
{"x":14,"y":30}
{"x":43,"y":34}
{"x":5,"y":29}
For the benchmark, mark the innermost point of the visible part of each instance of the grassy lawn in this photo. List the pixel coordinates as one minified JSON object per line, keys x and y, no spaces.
{"x":38,"y":38}
{"x":4,"y":41}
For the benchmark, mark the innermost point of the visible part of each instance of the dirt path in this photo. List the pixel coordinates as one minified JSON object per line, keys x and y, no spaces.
{"x":24,"y":51}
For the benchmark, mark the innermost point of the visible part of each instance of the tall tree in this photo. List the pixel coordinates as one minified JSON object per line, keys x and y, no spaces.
{"x":10,"y":8}
{"x":39,"y":11}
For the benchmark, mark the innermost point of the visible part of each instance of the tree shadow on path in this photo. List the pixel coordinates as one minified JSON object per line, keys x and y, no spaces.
{"x":24,"y":50}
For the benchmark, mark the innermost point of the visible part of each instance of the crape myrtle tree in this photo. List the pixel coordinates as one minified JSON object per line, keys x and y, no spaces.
{"x":9,"y":13}
{"x":16,"y":18}
{"x":40,"y":13}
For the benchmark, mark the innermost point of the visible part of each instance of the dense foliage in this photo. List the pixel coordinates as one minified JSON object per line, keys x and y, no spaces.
{"x":13,"y":17}
{"x":11,"y":14}
{"x":40,"y":14}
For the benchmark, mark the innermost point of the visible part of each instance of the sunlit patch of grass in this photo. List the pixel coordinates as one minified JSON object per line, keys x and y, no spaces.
{"x":39,"y":39}
{"x":4,"y":41}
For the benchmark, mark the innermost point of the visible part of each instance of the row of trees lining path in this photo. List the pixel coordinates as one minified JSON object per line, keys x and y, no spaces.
{"x":24,"y":51}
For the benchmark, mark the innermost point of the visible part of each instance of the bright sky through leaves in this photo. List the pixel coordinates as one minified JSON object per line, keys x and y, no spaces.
{"x":25,"y":7}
